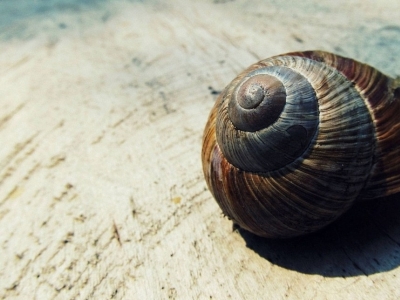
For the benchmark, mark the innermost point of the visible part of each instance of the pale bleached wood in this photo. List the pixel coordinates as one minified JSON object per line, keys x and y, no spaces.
{"x":101,"y":189}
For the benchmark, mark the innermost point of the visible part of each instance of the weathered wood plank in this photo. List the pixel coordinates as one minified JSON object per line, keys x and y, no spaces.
{"x":102,"y":108}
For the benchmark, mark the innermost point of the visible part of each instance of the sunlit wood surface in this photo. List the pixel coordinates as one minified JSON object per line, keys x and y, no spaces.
{"x":102,"y":109}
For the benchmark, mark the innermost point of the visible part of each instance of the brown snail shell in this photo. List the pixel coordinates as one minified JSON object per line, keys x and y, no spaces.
{"x":295,"y":139}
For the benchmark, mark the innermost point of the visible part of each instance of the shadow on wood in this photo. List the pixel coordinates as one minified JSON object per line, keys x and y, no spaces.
{"x":364,"y":241}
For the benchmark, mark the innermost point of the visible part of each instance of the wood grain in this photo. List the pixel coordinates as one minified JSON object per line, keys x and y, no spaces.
{"x":102,"y":110}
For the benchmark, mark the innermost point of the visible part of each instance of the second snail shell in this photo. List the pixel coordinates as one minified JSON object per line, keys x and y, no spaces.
{"x":294,"y":140}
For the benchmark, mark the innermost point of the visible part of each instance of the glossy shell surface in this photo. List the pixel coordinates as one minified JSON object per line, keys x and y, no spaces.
{"x":295,"y":139}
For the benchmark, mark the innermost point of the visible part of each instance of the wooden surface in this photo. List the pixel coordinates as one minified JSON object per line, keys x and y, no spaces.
{"x":102,"y":108}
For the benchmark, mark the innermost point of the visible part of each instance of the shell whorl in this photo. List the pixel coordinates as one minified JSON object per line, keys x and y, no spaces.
{"x":263,"y":137}
{"x":295,"y":139}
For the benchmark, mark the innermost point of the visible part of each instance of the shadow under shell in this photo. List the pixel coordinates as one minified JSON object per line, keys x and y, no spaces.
{"x":364,"y":241}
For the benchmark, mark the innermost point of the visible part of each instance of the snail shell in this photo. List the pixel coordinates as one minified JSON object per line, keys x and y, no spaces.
{"x":295,"y":139}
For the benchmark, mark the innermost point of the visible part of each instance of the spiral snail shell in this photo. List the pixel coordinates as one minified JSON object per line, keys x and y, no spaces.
{"x":294,"y":140}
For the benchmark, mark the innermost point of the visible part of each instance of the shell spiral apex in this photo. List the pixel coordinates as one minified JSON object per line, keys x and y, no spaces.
{"x":295,"y":139}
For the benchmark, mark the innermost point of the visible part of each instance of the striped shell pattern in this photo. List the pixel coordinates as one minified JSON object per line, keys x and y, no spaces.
{"x":294,"y":140}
